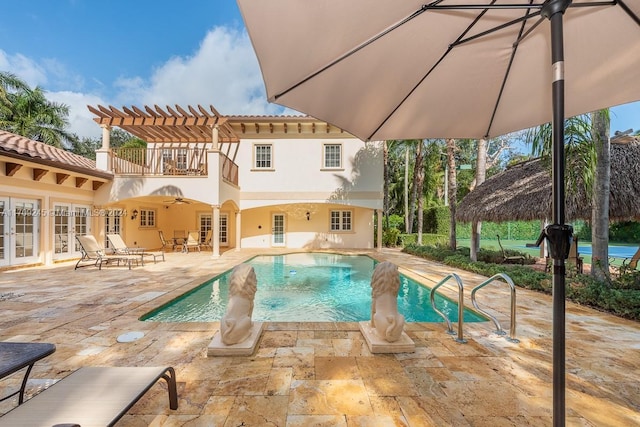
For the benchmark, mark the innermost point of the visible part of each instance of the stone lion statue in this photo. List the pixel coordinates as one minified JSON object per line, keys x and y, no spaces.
{"x":385,"y":319}
{"x":235,"y":325}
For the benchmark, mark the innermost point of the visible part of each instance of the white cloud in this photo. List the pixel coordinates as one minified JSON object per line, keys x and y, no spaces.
{"x":223,"y":72}
{"x":80,"y":118}
{"x":27,"y":69}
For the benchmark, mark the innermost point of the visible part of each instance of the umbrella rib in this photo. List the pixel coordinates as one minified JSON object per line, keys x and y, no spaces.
{"x":629,"y":11}
{"x":356,"y":49}
{"x":431,"y":6}
{"x":514,"y":49}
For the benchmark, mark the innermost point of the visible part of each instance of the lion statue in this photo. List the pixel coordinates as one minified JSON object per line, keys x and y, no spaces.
{"x":385,"y":319}
{"x":235,"y":325}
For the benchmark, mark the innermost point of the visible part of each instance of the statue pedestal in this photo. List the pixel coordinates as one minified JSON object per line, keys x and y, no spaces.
{"x":379,"y":345}
{"x":244,"y":348}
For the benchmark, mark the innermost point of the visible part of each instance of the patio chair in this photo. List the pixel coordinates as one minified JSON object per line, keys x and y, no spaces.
{"x":207,"y":240}
{"x":91,"y":396}
{"x":574,"y":256}
{"x":166,"y":243}
{"x":193,"y":241}
{"x":510,"y":259}
{"x":94,"y":255}
{"x":179,"y":237}
{"x":121,"y":248}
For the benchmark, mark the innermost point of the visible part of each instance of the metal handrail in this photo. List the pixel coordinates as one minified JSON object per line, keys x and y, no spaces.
{"x":454,"y":276}
{"x":499,"y":331}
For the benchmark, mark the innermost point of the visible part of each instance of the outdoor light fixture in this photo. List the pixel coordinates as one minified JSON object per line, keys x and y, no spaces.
{"x":308,"y":216}
{"x":134,"y":214}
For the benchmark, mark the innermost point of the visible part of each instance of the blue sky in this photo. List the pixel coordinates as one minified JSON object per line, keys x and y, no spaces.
{"x":143,"y":52}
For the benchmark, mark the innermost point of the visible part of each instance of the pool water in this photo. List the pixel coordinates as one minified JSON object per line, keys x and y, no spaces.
{"x":308,"y":287}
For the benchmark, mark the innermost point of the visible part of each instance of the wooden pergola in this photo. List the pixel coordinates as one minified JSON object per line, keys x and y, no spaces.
{"x":154,"y":124}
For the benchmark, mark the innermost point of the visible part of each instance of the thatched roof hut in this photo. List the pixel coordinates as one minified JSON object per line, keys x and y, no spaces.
{"x":523,"y":192}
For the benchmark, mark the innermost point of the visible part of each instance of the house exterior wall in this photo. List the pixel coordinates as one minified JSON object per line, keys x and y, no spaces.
{"x":298,"y":174}
{"x":47,"y":194}
{"x":298,"y":183}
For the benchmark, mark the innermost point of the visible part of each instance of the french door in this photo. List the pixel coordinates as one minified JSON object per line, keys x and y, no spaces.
{"x":277,"y":230}
{"x":19,"y":231}
{"x":69,"y":221}
{"x":112,"y":224}
{"x":206,"y":221}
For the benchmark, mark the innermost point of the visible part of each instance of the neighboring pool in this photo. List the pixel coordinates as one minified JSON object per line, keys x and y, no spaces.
{"x":308,"y":287}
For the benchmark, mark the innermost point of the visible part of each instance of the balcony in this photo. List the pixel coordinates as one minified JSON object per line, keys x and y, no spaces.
{"x":169,"y":161}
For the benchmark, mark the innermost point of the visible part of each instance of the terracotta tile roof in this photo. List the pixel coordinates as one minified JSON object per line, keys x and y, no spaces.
{"x":43,"y":153}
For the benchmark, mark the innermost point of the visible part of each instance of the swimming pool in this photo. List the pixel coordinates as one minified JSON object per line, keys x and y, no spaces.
{"x":308,"y":287}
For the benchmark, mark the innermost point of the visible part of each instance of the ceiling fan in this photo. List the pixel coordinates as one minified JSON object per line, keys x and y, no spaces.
{"x":178,"y":201}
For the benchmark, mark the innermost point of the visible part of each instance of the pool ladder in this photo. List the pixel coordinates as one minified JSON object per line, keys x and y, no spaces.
{"x":459,"y":338}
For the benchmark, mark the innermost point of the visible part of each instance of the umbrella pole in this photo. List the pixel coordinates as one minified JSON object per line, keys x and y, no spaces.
{"x":558,"y":234}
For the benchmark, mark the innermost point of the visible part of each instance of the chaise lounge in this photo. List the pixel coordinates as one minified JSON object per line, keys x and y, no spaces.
{"x":121,"y":248}
{"x":94,"y":255}
{"x":91,"y":397}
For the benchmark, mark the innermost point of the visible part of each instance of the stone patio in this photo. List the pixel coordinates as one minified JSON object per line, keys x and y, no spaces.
{"x":322,"y":374}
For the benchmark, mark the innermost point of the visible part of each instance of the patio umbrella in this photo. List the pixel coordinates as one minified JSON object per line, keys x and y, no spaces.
{"x":386,"y":69}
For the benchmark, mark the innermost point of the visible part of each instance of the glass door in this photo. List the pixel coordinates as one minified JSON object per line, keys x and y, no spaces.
{"x":277,"y":230}
{"x":224,"y":229}
{"x":24,"y":231}
{"x":62,"y":237}
{"x":69,"y":221}
{"x":4,"y":231}
{"x":112,"y":224}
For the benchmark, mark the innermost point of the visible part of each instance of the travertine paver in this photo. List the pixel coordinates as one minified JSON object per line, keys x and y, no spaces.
{"x":322,"y":374}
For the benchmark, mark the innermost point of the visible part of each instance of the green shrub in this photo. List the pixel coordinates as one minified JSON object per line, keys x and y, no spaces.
{"x":620,"y":296}
{"x":407,"y":239}
{"x":390,"y":237}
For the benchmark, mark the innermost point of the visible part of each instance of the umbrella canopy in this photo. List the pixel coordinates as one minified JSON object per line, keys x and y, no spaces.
{"x":385,"y":69}
{"x":523,"y":192}
{"x":388,"y":69}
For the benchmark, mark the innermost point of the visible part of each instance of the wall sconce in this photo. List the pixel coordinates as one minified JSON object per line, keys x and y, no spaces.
{"x":308,"y":215}
{"x":134,"y":214}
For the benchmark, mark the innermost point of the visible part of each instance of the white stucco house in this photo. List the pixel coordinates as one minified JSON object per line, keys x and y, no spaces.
{"x":242,"y":181}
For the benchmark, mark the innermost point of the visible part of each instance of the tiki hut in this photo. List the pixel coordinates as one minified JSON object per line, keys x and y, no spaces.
{"x":523,"y":192}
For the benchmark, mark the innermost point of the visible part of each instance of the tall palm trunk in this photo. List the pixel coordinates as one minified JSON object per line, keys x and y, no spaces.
{"x":385,"y":190}
{"x":452,"y":190}
{"x":417,"y":173}
{"x":407,"y":226}
{"x":600,"y":196}
{"x":481,"y":172}
{"x":419,"y":184}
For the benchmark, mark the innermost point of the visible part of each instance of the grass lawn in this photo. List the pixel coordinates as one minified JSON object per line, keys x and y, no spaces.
{"x":520,"y":245}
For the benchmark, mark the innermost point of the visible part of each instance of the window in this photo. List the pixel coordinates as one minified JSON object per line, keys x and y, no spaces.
{"x":147,"y":217}
{"x":332,"y":156}
{"x":340,"y":220}
{"x":263,"y":157}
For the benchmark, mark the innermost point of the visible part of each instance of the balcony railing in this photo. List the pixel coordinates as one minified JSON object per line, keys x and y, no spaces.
{"x":172,"y":161}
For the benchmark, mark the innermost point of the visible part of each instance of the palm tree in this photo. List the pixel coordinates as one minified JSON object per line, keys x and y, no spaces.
{"x":600,"y":197}
{"x":452,"y":190}
{"x":27,"y":112}
{"x":9,"y":83}
{"x":587,"y":147}
{"x":481,"y":173}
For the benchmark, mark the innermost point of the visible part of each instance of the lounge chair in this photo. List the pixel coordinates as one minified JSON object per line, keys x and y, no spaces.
{"x":193,"y":241}
{"x":513,"y":259}
{"x":94,"y":255}
{"x":91,"y":396}
{"x":626,"y":267}
{"x":121,"y":248}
